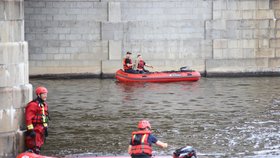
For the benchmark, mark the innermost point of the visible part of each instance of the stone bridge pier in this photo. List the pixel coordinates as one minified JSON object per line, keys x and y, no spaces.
{"x":15,"y":90}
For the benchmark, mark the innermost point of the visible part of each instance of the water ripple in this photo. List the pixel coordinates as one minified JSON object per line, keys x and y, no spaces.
{"x":220,"y":117}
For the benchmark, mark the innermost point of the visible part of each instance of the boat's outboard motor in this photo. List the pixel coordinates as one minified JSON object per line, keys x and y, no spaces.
{"x":185,"y":152}
{"x":185,"y":68}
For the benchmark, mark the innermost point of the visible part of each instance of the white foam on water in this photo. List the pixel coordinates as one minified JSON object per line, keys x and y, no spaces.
{"x":271,"y":152}
{"x":264,"y":122}
{"x":232,"y":142}
{"x":212,"y":154}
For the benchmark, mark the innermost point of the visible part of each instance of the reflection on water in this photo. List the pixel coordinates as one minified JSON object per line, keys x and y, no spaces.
{"x":220,"y":117}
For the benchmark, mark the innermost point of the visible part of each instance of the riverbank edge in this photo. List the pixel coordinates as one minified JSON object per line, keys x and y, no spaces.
{"x":112,"y":75}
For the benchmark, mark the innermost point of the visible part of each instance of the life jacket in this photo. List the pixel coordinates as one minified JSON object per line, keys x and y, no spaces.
{"x":125,"y":67}
{"x":40,"y":117}
{"x":140,"y":144}
{"x":140,"y":65}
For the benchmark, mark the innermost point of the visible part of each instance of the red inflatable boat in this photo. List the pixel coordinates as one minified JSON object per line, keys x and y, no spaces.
{"x":164,"y":76}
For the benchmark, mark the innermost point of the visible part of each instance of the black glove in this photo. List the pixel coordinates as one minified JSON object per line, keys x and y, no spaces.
{"x":32,"y":133}
{"x":46,"y":132}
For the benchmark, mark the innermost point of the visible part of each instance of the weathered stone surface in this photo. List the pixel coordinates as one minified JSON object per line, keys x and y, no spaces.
{"x":233,"y":44}
{"x":112,"y":31}
{"x":277,"y":53}
{"x":219,"y":5}
{"x":265,"y":52}
{"x":163,"y":65}
{"x":264,"y":4}
{"x":111,"y":66}
{"x":13,"y":74}
{"x":275,"y":4}
{"x":8,"y":145}
{"x":115,"y":48}
{"x":16,"y":96}
{"x":170,"y":49}
{"x":264,"y":14}
{"x":11,"y":143}
{"x":11,"y":10}
{"x":274,"y":63}
{"x":217,"y":15}
{"x":247,"y":5}
{"x":275,"y":43}
{"x":13,"y":52}
{"x":220,"y":43}
{"x":264,"y":43}
{"x":114,"y":9}
{"x":15,"y":90}
{"x":11,"y":31}
{"x":249,"y":53}
{"x":65,"y":66}
{"x":234,"y":53}
{"x":11,"y":119}
{"x":166,"y":10}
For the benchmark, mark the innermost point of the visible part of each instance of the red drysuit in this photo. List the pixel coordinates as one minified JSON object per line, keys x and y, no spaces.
{"x":36,"y":115}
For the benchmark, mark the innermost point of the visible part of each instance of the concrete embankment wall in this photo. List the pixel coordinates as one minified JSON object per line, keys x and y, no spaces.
{"x":245,"y":37}
{"x":15,"y":90}
{"x":212,"y":36}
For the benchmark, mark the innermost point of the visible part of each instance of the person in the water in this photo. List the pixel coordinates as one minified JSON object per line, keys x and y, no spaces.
{"x":141,"y":141}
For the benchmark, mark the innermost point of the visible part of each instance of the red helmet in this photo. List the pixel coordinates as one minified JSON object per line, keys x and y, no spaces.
{"x":144,"y":124}
{"x":40,"y":90}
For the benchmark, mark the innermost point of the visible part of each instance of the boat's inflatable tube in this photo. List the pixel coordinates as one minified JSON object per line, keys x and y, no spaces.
{"x":164,"y":76}
{"x":31,"y":155}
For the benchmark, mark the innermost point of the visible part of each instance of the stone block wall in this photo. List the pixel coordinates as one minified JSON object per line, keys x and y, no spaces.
{"x":244,"y":32}
{"x":15,"y":90}
{"x":65,"y":36}
{"x":241,"y":29}
{"x":167,"y":29}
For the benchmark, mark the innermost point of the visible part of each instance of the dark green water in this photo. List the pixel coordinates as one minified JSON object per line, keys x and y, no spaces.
{"x":220,"y":117}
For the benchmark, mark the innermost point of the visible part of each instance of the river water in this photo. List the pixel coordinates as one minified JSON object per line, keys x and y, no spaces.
{"x":219,"y":117}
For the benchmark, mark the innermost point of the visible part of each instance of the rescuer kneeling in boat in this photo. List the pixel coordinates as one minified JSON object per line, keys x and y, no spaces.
{"x":127,"y":64}
{"x":140,"y":63}
{"x":36,"y":117}
{"x":141,"y":141}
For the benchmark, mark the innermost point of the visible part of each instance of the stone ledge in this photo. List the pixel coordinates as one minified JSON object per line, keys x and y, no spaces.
{"x":243,"y":74}
{"x":208,"y":67}
{"x":65,"y":76}
{"x":109,"y":67}
{"x":64,"y":70}
{"x":242,"y":67}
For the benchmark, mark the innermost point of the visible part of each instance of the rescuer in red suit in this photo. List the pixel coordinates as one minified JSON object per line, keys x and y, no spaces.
{"x":36,"y":117}
{"x":141,"y":141}
{"x":141,"y":64}
{"x":127,"y":64}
